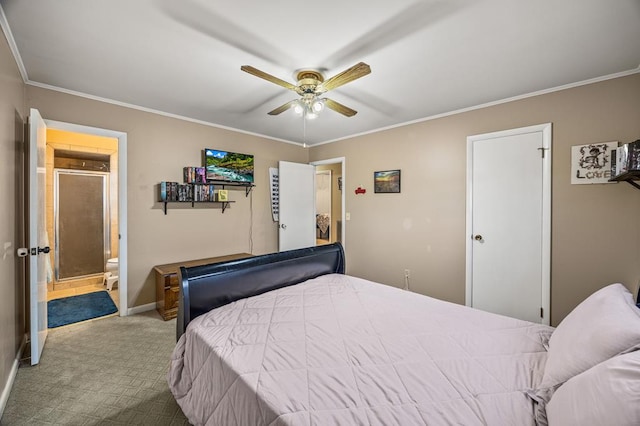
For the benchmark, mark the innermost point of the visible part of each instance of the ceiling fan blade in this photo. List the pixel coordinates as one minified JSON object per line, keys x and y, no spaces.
{"x":282,"y":108}
{"x":358,"y":70}
{"x":254,"y":71}
{"x":338,"y":107}
{"x":204,"y":19}
{"x":416,"y":17}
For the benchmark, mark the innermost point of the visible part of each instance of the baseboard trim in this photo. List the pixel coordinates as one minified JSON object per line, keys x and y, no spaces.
{"x":4,"y":397}
{"x":142,"y":308}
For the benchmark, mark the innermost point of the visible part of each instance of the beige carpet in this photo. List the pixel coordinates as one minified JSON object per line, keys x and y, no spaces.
{"x":109,"y":371}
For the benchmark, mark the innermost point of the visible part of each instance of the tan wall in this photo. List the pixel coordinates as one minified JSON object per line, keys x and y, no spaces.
{"x":69,"y":141}
{"x":158,"y":148}
{"x":595,"y":229}
{"x":12,"y":310}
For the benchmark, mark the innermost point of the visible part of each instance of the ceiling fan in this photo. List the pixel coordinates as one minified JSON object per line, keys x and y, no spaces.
{"x":311,"y":85}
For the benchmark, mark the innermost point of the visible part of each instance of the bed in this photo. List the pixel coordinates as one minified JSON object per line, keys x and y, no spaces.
{"x":289,"y":339}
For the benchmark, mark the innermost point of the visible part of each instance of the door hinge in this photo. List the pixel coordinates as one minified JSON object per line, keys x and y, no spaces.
{"x":542,"y":150}
{"x":541,"y":312}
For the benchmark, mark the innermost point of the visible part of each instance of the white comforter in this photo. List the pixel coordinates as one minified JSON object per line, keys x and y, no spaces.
{"x":339,"y":350}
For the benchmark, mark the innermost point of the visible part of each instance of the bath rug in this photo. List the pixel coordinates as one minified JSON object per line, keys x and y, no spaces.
{"x":69,"y":310}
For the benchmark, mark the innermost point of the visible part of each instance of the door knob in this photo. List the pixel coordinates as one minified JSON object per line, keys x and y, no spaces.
{"x":478,"y":237}
{"x":283,"y":226}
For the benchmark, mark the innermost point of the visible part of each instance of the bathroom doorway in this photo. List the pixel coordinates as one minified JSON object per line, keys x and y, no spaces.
{"x":83,"y":220}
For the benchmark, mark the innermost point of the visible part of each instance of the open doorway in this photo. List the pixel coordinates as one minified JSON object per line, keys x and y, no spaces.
{"x":39,"y":270}
{"x":323,"y":207}
{"x":297,"y":223}
{"x":329,"y":201}
{"x":81,"y":157}
{"x":83,"y":221}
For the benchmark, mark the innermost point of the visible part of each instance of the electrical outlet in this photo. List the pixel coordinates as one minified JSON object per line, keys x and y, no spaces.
{"x":407,"y":273}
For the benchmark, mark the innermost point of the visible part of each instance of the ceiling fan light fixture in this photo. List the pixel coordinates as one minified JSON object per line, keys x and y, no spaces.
{"x":298,"y":108}
{"x":317,"y":105}
{"x":310,"y":115}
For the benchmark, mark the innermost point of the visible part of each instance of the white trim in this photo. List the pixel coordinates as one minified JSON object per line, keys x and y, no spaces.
{"x":342,"y":160}
{"x":4,"y":397}
{"x":141,"y":308}
{"x":368,"y":132}
{"x":122,"y":199}
{"x":469,"y":228}
{"x":4,"y":24}
{"x":545,"y":129}
{"x":155,"y":111}
{"x":546,"y":223}
{"x":490,"y":104}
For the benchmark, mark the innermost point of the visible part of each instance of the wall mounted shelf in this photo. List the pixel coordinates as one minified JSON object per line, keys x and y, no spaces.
{"x":248,"y":187}
{"x":169,"y":192}
{"x":225,"y":204}
{"x":629,"y":177}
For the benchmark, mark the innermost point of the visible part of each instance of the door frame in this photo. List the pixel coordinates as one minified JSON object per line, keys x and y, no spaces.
{"x":122,"y":198}
{"x":343,"y":161}
{"x":545,"y":129}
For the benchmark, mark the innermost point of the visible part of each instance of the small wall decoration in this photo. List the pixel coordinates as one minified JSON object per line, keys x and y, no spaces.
{"x":223,"y":195}
{"x":592,"y":163}
{"x":387,"y":181}
{"x":360,"y":190}
{"x":274,"y":179}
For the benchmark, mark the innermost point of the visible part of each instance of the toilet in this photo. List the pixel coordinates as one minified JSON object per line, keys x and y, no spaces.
{"x":111,"y":273}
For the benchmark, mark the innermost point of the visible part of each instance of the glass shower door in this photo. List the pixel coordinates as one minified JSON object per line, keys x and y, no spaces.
{"x":81,"y":235}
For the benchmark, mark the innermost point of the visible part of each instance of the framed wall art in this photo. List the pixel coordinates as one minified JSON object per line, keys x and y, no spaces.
{"x":592,"y":163}
{"x":387,"y":181}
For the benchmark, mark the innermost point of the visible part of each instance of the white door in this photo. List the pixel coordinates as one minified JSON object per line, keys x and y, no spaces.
{"x":297,"y":206}
{"x":508,"y":222}
{"x":38,"y":240}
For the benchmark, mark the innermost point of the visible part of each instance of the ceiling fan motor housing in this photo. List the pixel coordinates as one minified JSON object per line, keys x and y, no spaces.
{"x":308,"y":81}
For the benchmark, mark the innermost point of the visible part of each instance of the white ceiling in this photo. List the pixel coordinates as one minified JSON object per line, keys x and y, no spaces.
{"x":427,"y":57}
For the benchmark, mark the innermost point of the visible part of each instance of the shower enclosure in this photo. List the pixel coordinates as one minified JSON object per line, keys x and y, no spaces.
{"x":81,"y":215}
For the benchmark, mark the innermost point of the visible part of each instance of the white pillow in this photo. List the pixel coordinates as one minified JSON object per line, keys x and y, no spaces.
{"x":604,"y":325}
{"x":607,"y":394}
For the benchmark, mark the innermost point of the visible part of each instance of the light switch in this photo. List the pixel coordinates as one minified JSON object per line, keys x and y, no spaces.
{"x":347,"y":216}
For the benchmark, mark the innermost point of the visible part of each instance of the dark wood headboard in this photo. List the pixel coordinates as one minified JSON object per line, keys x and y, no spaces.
{"x":206,"y":287}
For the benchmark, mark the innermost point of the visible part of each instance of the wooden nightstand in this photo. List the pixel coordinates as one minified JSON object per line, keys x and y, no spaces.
{"x":168,"y":288}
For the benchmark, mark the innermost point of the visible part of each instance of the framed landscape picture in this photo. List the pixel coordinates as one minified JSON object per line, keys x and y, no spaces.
{"x":387,"y":181}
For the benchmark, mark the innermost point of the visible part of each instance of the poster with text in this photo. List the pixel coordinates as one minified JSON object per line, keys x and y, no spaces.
{"x":592,"y":163}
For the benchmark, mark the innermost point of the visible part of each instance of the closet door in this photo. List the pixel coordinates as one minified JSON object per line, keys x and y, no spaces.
{"x":508,"y":222}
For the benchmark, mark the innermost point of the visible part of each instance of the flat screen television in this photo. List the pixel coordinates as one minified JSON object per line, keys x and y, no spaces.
{"x":228,"y":166}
